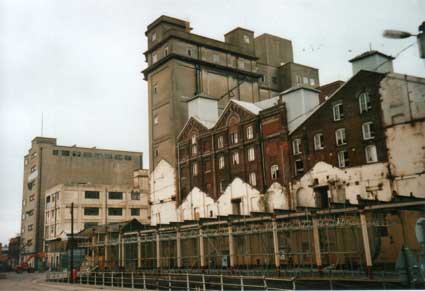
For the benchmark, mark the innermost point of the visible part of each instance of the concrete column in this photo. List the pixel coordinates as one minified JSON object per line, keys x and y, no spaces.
{"x":93,"y":242}
{"x":275,"y":244}
{"x":158,"y":251}
{"x":202,"y":248}
{"x":119,"y":249}
{"x":179,"y":248}
{"x":106,"y":249}
{"x":316,"y":241}
{"x":122,"y":252}
{"x":366,"y":245}
{"x":231,"y":246}
{"x":139,"y":252}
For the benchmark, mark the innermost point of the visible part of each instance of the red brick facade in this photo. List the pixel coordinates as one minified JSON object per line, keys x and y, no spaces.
{"x":241,"y":144}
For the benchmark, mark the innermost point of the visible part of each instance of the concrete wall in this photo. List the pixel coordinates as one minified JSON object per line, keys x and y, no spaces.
{"x":163,"y":194}
{"x":403,"y":106}
{"x":370,"y":182}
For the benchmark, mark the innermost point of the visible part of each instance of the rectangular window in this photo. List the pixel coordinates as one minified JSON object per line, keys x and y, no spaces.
{"x":32,"y":197}
{"x":154,"y":58}
{"x":189,"y":52}
{"x":312,"y":82}
{"x":250,"y":132}
{"x":76,"y":154}
{"x":135,"y":211}
{"x":296,"y":146}
{"x":340,"y":136}
{"x":274,"y":172}
{"x":65,"y":153}
{"x":299,"y":167}
{"x":115,"y":211}
{"x":166,"y":51}
{"x":216,"y":59}
{"x":30,"y":227}
{"x":338,"y":111}
{"x":195,"y":169}
{"x":241,"y":64}
{"x":91,"y":194}
{"x":115,"y":195}
{"x":91,"y":211}
{"x":368,"y":130}
{"x":343,"y":159}
{"x":222,"y":186}
{"x":371,"y":154}
{"x":221,"y":162}
{"x":154,"y":36}
{"x":299,"y":80}
{"x":118,"y":157}
{"x":48,"y":199}
{"x":89,"y":224}
{"x":220,"y":142}
{"x":364,"y":102}
{"x":127,"y":158}
{"x":108,"y":156}
{"x":251,"y":154}
{"x":87,"y":155}
{"x":305,"y":80}
{"x":252,"y":179}
{"x":55,"y":152}
{"x":98,"y":155}
{"x":194,"y":149}
{"x":235,"y":158}
{"x":234,"y":137}
{"x":135,"y":195}
{"x":318,"y":141}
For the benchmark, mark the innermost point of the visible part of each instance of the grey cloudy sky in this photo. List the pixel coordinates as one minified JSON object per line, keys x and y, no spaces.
{"x":79,"y":62}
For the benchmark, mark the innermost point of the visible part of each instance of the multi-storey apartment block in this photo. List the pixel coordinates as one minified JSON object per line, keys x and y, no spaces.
{"x":48,"y":164}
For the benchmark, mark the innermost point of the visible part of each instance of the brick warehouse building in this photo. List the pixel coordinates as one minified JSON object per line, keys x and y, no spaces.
{"x":249,"y":141}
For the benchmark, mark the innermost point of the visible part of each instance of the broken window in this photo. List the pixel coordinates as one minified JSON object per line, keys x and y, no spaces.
{"x":368,"y":130}
{"x":371,"y":154}
{"x":235,"y":158}
{"x":299,"y":167}
{"x":343,"y":159}
{"x":364,"y":102}
{"x":296,"y":146}
{"x":338,"y":111}
{"x":340,"y":136}
{"x":274,"y":172}
{"x":318,"y":141}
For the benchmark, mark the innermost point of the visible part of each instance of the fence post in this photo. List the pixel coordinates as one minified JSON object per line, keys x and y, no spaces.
{"x":144,"y":281}
{"x":221,"y":282}
{"x":294,"y":287}
{"x":103,"y":279}
{"x":203,"y":282}
{"x":112,"y":279}
{"x":187,"y":282}
{"x":95,"y":277}
{"x":122,"y":280}
{"x":132,"y":280}
{"x":265,"y":283}
{"x":242,"y":289}
{"x":169,"y":282}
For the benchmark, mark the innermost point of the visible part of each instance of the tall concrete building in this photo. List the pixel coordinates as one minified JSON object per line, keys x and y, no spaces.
{"x":182,"y":65}
{"x":48,"y":164}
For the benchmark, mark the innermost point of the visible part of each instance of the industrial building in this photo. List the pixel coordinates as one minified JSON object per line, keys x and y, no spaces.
{"x":48,"y":164}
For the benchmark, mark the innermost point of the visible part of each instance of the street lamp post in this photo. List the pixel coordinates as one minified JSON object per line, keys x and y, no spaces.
{"x":398,"y":34}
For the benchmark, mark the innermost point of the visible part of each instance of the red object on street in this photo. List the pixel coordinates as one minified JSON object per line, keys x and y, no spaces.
{"x":74,"y":275}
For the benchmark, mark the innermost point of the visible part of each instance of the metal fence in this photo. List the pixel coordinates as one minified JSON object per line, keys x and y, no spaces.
{"x":175,"y":281}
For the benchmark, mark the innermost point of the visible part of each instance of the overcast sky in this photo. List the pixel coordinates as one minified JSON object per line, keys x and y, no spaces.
{"x":79,"y":63}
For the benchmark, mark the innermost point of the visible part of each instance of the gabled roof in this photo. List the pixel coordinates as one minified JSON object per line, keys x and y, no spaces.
{"x":251,"y":107}
{"x":206,"y":124}
{"x":370,"y":53}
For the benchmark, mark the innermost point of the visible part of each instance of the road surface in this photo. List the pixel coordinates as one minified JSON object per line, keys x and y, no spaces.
{"x":36,"y":281}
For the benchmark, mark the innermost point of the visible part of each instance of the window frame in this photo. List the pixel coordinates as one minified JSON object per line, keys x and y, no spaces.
{"x":299,"y":170}
{"x":249,"y":132}
{"x":252,"y":179}
{"x":343,"y":136}
{"x":113,"y":193}
{"x":364,"y":102}
{"x":343,"y":163}
{"x":235,"y":158}
{"x":375,"y":154}
{"x":274,"y":172}
{"x":221,"y":162}
{"x":319,"y":141}
{"x":251,"y":154}
{"x":338,"y":114}
{"x":220,"y":142}
{"x":370,"y":130}
{"x":296,"y":146}
{"x":195,"y":169}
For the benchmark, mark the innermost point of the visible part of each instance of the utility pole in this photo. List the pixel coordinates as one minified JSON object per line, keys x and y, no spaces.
{"x":71,"y":244}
